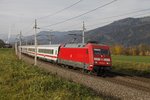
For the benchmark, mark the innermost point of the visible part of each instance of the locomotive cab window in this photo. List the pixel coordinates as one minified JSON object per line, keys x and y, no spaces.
{"x":101,"y":52}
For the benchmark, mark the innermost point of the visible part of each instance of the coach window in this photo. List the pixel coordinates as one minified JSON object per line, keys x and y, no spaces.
{"x":31,"y":49}
{"x":51,"y":51}
{"x":41,"y":50}
{"x":48,"y":51}
{"x":56,"y":52}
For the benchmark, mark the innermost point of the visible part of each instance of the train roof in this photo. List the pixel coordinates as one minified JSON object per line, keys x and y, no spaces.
{"x":53,"y":45}
{"x":74,"y":45}
{"x":77,"y":45}
{"x":80,"y":45}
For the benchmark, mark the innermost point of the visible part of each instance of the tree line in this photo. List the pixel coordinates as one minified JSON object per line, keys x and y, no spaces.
{"x":139,"y":50}
{"x":2,"y":44}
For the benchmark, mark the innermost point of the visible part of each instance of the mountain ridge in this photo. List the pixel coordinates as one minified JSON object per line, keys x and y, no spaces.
{"x":128,"y":32}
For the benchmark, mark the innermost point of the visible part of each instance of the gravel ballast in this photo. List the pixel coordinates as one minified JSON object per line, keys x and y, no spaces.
{"x":99,"y":85}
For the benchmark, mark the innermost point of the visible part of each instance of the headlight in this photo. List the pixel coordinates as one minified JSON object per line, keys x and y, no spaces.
{"x":98,"y":59}
{"x":106,"y":59}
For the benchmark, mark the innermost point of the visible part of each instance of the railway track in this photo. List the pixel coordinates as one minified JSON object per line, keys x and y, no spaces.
{"x":113,"y":85}
{"x":139,"y":83}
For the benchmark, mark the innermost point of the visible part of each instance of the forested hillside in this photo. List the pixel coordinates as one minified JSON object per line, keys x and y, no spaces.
{"x":128,"y":32}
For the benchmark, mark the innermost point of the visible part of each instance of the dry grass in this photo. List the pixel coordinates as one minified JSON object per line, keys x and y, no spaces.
{"x":20,"y":81}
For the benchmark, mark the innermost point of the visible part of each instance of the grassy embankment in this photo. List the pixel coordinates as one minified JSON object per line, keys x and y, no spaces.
{"x":19,"y":80}
{"x":133,"y":65}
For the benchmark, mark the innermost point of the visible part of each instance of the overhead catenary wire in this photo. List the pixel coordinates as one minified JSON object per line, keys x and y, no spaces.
{"x":124,"y":14}
{"x":119,"y":15}
{"x":76,"y":26}
{"x":59,"y":11}
{"x":81,"y":14}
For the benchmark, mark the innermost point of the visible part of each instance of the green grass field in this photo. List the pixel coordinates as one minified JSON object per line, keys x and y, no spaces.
{"x":133,"y":65}
{"x":20,"y":81}
{"x":134,"y":59}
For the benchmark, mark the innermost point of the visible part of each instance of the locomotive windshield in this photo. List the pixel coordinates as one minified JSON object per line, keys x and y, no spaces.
{"x":101,"y":52}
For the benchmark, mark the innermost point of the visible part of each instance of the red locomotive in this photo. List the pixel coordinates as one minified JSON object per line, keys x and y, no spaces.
{"x":89,"y":57}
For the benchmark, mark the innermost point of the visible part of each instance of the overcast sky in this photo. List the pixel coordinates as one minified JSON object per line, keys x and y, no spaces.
{"x":19,"y":15}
